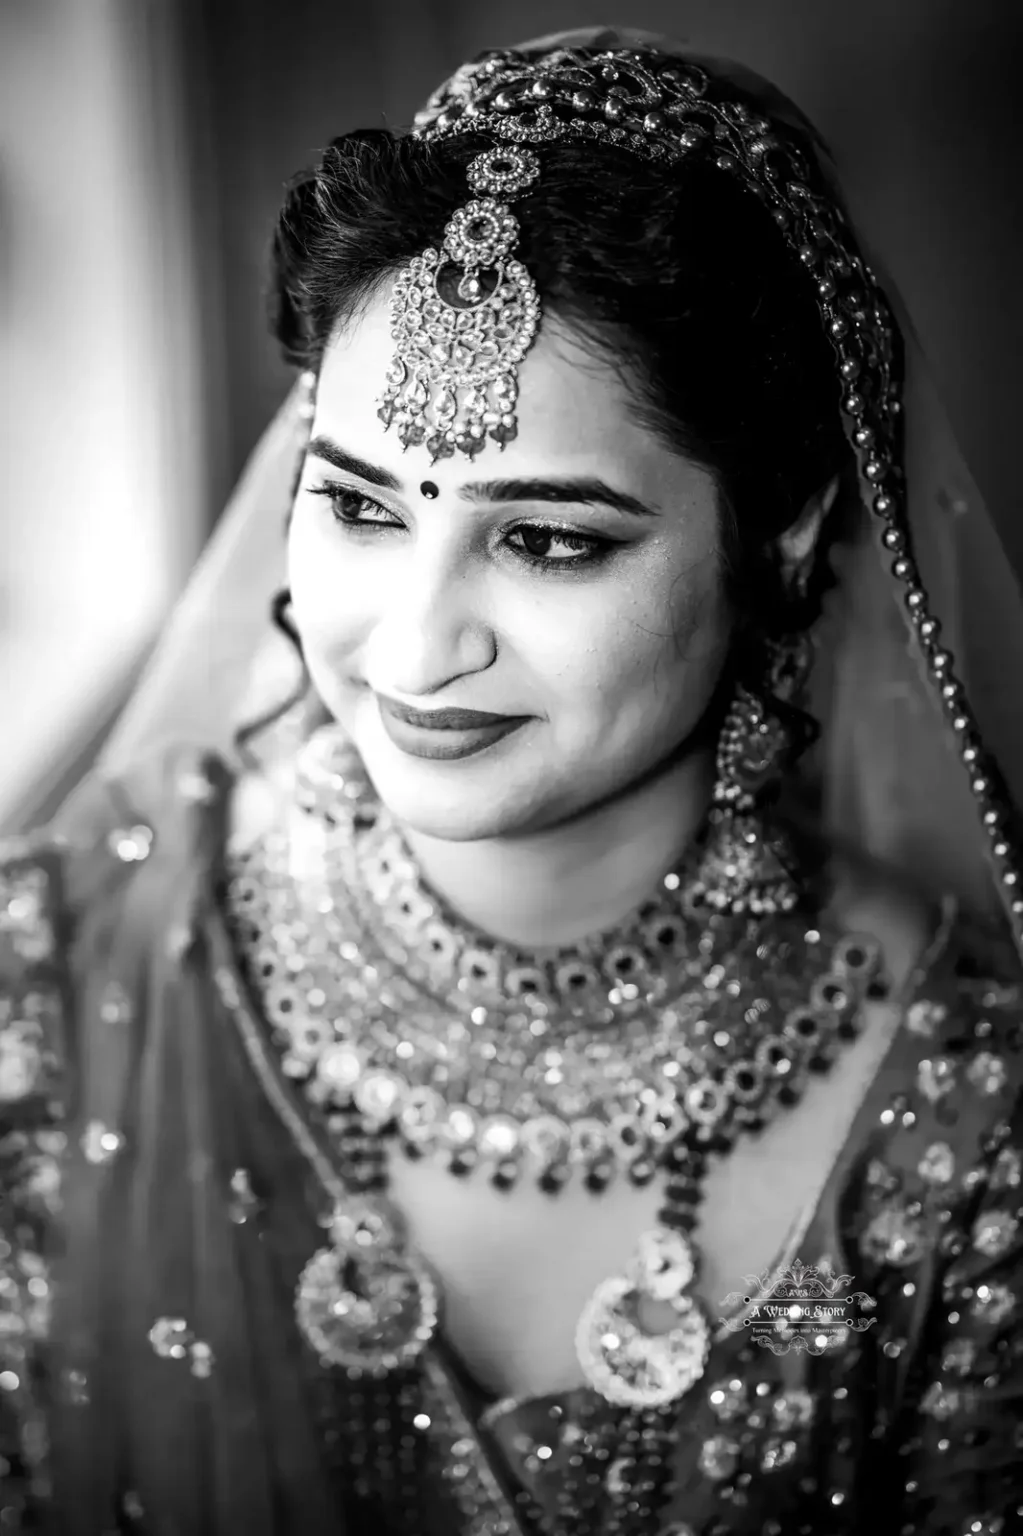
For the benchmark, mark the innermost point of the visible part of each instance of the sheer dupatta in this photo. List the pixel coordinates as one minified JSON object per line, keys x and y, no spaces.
{"x":184,"y":1396}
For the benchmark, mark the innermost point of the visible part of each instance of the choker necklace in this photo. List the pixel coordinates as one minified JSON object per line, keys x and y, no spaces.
{"x":591,"y":1060}
{"x":639,"y":1051}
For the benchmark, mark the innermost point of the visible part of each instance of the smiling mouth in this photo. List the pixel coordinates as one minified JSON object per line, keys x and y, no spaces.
{"x":444,"y":734}
{"x":446,"y":719}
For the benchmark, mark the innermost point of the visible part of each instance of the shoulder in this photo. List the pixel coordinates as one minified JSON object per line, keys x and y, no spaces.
{"x":113,"y":854}
{"x":125,"y":861}
{"x":931,"y":948}
{"x":941,"y":1158}
{"x":957,"y":982}
{"x":964,"y":1022}
{"x":954,"y":1073}
{"x":963,"y":1011}
{"x":908,"y":928}
{"x":162,"y":813}
{"x":154,"y":791}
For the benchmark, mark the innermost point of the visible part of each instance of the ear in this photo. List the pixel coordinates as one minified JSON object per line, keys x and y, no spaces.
{"x":798,"y":541}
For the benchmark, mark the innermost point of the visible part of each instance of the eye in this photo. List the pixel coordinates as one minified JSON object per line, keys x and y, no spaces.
{"x":538,"y":541}
{"x":352,"y":509}
{"x":543,"y":546}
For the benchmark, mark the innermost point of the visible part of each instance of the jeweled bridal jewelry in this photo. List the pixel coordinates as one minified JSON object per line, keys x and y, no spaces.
{"x":586,"y":1062}
{"x":366,"y":1302}
{"x":463,"y":318}
{"x":645,"y":1050}
{"x":627,"y":1365}
{"x":746,"y":873}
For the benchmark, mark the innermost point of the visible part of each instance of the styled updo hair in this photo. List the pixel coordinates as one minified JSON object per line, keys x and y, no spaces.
{"x":675,"y":275}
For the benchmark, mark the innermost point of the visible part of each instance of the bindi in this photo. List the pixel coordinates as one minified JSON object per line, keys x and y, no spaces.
{"x":429,"y":490}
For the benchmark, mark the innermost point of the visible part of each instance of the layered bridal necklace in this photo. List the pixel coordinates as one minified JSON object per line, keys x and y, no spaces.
{"x":638,"y":1053}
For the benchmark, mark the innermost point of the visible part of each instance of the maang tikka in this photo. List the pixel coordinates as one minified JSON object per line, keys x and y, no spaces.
{"x":463,"y":318}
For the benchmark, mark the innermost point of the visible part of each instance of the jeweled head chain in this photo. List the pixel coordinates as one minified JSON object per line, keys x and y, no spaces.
{"x":464,"y":316}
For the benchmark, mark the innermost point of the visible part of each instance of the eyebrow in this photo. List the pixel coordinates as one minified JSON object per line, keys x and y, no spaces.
{"x":585,"y":492}
{"x":580,"y":491}
{"x":332,"y":453}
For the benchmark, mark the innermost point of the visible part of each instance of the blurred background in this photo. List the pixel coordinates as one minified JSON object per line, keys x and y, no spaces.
{"x":144,"y":145}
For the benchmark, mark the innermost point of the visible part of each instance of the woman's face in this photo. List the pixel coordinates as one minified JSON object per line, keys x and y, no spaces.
{"x":570,"y":584}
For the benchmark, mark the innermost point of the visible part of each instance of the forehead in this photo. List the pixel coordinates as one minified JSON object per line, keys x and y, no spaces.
{"x":573,"y":415}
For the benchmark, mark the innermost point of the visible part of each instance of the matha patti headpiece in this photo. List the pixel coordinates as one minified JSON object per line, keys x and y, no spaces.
{"x":463,"y":317}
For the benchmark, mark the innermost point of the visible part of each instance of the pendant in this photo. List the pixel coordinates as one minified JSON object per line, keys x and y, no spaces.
{"x":365,"y":1303}
{"x":626,"y":1365}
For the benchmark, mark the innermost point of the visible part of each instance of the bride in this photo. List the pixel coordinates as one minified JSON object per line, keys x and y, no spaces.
{"x":505,"y":1092}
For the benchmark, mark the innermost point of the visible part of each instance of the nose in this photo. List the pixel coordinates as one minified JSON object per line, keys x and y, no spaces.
{"x":430,"y":627}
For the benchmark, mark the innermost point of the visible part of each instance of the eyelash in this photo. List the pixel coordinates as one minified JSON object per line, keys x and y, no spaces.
{"x":590,"y":547}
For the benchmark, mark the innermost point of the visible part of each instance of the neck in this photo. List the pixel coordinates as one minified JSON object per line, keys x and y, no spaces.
{"x":561,"y":885}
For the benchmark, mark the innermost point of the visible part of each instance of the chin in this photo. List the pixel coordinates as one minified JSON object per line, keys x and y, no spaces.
{"x":452,"y":824}
{"x":470,"y":801}
{"x":448,"y":801}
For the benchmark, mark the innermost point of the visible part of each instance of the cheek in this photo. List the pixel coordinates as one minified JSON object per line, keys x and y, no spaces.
{"x":324,"y":592}
{"x":654,"y":641}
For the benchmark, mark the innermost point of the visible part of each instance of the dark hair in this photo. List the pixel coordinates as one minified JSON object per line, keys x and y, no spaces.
{"x":676,"y":275}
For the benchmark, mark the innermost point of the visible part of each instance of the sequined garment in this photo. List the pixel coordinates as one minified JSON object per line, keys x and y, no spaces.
{"x":157,"y":1214}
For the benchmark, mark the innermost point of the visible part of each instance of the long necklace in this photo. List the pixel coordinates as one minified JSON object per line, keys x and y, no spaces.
{"x":643,"y":1051}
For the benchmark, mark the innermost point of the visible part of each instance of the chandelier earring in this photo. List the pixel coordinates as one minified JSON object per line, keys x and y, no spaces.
{"x":760,"y":735}
{"x":744,"y":868}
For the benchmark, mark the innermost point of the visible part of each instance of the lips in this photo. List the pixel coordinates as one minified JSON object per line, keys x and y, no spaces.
{"x":445,"y":719}
{"x":444,"y":735}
